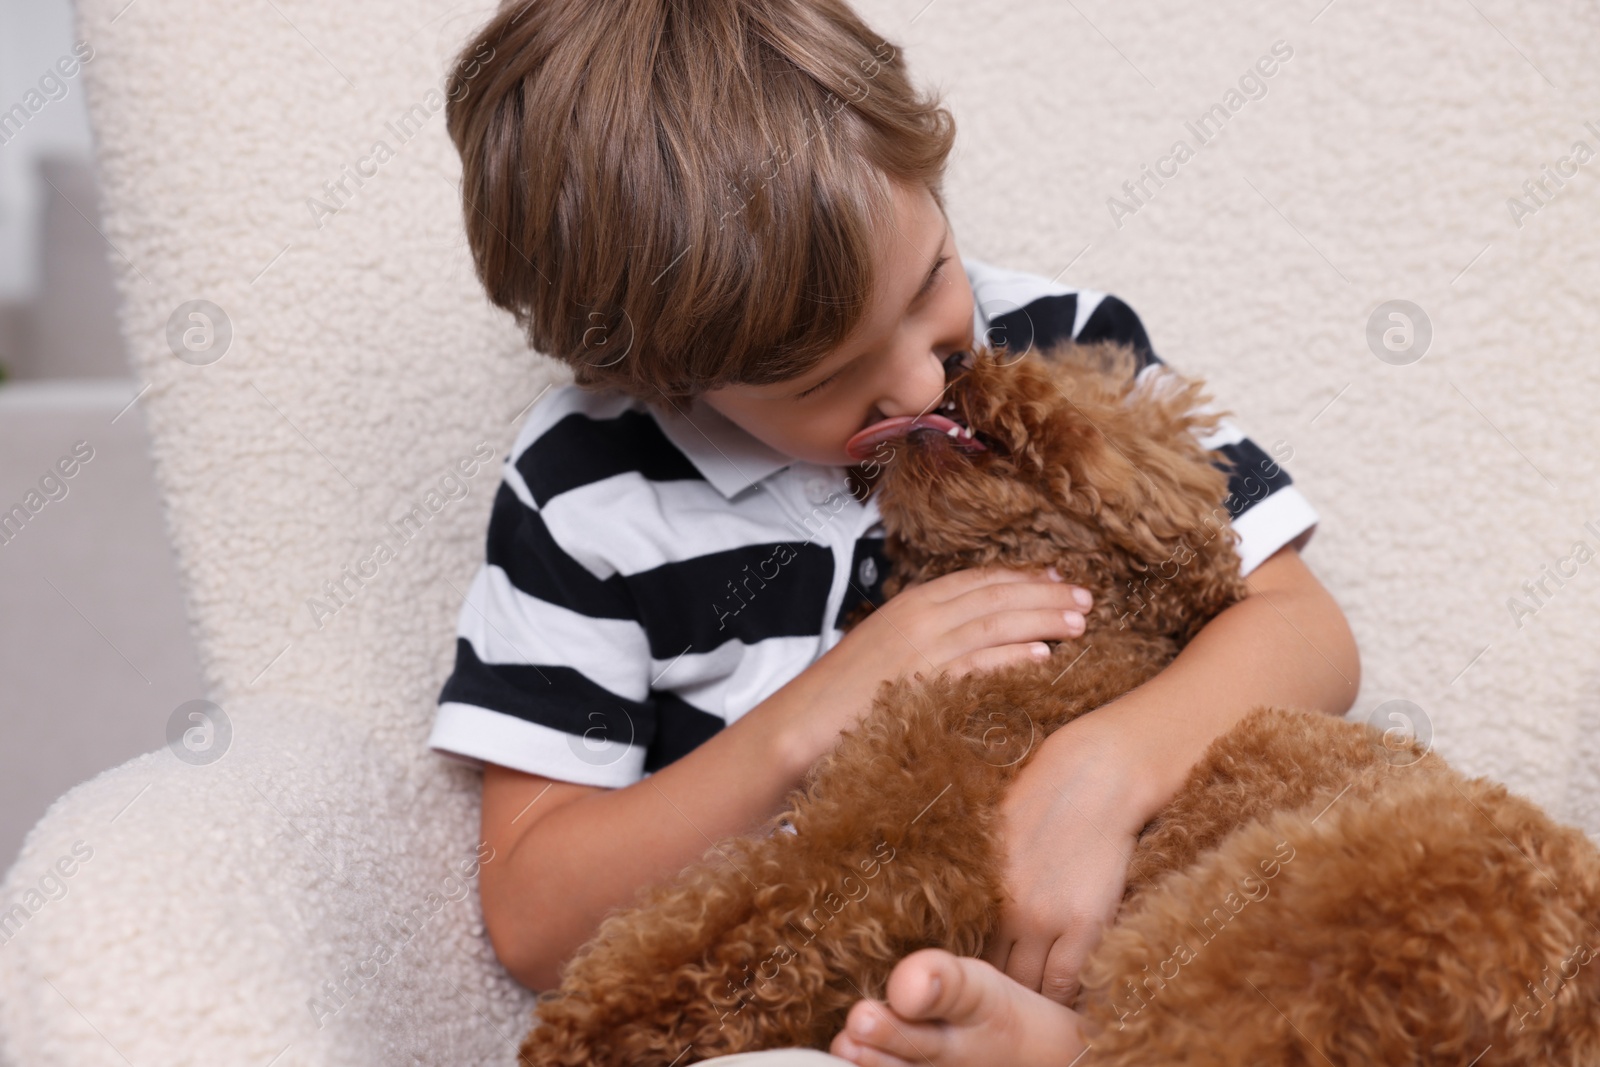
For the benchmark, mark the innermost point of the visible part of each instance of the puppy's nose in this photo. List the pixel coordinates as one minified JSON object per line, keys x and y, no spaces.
{"x":954,"y":363}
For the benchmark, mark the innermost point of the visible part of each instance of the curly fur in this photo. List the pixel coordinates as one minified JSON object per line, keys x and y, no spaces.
{"x":1401,"y":924}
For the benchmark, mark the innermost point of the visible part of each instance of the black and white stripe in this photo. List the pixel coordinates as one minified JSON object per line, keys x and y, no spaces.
{"x":650,"y":578}
{"x":1026,"y":312}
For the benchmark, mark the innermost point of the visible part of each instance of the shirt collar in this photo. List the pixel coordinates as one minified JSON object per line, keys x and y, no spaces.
{"x":726,"y":455}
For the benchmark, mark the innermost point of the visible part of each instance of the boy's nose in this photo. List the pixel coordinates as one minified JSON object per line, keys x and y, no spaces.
{"x":899,"y":403}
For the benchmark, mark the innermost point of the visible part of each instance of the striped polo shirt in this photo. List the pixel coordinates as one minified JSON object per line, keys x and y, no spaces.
{"x":650,"y":578}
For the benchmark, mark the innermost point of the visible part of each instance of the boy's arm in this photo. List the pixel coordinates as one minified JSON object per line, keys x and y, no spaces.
{"x":1287,"y":644}
{"x":1099,"y":779}
{"x":592,"y":835}
{"x":572,"y":852}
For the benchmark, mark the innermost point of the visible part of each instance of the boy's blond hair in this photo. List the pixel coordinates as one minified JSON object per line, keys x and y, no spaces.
{"x":676,"y":195}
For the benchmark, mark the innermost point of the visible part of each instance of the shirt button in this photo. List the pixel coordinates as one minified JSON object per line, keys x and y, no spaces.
{"x":868,"y":572}
{"x":818,"y":489}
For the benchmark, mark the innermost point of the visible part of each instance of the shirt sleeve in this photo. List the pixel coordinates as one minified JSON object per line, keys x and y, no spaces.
{"x":551,"y":671}
{"x":1266,"y":508}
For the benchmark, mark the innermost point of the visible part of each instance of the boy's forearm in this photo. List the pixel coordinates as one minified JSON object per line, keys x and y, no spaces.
{"x":593,"y":854}
{"x":1287,"y":645}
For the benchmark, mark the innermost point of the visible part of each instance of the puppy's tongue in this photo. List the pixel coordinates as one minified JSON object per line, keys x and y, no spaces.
{"x":861,"y":446}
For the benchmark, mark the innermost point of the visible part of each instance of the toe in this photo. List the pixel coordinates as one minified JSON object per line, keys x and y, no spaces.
{"x":953,"y":1011}
{"x":870,"y":1025}
{"x":932,"y":984}
{"x":863,"y":1055}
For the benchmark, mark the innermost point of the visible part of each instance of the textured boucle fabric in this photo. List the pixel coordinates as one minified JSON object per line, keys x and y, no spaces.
{"x":365,"y":369}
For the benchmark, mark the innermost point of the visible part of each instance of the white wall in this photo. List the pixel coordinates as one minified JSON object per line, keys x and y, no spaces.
{"x":34,"y":34}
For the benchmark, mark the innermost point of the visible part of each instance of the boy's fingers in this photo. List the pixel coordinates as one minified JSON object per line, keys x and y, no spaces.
{"x":1017,"y":626}
{"x":1049,"y":578}
{"x":956,"y":583}
{"x":996,"y":656}
{"x":997,"y":598}
{"x":1061,"y":969}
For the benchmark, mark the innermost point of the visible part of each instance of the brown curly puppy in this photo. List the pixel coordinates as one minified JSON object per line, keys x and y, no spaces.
{"x":771,"y":938}
{"x":1404,"y":916}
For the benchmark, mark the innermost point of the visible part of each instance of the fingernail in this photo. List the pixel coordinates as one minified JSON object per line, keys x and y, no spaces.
{"x":1074,"y":620}
{"x":934,"y":986}
{"x":1039,"y":649}
{"x":1055,"y":575}
{"x":1082,"y":596}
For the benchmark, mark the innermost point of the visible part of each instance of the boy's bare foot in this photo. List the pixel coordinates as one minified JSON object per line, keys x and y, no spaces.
{"x":952,"y":1011}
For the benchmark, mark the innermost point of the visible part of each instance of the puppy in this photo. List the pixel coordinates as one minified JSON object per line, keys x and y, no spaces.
{"x":1064,"y":458}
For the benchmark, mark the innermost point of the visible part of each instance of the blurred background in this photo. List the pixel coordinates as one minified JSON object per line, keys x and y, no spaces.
{"x":94,"y":648}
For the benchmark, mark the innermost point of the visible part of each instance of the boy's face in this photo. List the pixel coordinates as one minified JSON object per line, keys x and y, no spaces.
{"x":893,"y":362}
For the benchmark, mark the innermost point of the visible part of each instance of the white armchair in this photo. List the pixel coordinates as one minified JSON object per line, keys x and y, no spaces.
{"x":306,"y":898}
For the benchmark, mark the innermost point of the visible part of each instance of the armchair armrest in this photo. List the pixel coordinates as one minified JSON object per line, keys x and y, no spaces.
{"x":308,"y":898}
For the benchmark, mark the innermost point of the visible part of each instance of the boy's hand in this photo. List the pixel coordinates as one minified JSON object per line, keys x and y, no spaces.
{"x":1069,"y":829}
{"x":975,"y":619}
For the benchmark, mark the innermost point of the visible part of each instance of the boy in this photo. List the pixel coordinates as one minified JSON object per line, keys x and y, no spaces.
{"x":728,"y":220}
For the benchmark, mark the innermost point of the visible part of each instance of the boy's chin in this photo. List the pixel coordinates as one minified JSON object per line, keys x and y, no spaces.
{"x":870,"y":464}
{"x":824,"y":455}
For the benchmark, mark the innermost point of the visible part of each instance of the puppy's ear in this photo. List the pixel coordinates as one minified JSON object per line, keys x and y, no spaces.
{"x":1127,"y":442}
{"x":1130,"y":463}
{"x":1012,"y":400}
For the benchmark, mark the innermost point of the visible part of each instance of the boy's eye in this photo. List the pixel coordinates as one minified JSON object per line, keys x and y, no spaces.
{"x":933,"y":276}
{"x":819,"y":385}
